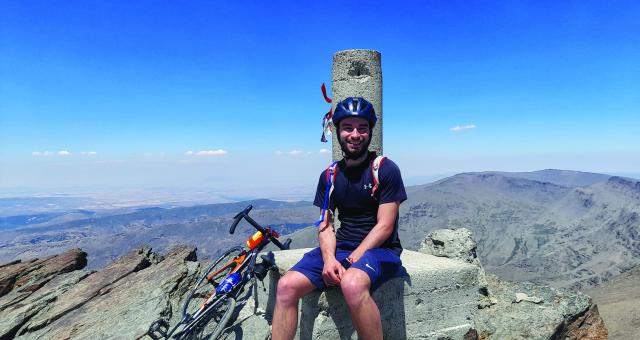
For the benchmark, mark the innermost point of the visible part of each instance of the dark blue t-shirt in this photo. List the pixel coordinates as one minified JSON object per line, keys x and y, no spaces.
{"x":358,"y":211}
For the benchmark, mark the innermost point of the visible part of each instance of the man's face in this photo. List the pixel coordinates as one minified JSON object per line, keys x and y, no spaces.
{"x":354,"y":136}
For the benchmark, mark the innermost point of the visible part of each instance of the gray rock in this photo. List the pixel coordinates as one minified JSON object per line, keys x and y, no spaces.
{"x":98,"y":283}
{"x":510,"y":320}
{"x":17,"y":308}
{"x":457,"y":244}
{"x":120,"y":302}
{"x":524,"y":297}
{"x":29,"y":276}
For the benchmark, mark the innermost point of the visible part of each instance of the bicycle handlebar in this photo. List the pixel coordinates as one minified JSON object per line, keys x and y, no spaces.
{"x":245,"y":214}
{"x":238,"y":217}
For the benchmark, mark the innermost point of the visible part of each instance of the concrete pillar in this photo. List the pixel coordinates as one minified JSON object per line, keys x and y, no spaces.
{"x":357,"y":73}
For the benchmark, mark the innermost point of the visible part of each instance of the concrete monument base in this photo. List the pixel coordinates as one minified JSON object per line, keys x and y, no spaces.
{"x":435,"y":300}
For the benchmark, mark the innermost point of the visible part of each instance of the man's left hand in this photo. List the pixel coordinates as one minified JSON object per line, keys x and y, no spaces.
{"x":355,"y":256}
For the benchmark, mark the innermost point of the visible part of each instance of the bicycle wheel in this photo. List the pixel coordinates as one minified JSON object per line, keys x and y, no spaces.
{"x":211,"y":322}
{"x":210,"y":279}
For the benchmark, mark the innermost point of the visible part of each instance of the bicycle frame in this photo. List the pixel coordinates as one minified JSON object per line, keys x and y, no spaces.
{"x":244,"y":264}
{"x":246,"y":260}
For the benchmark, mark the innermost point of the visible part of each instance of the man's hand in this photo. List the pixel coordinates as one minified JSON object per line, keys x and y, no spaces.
{"x":332,"y":272}
{"x":356,"y":254}
{"x":387,"y":213}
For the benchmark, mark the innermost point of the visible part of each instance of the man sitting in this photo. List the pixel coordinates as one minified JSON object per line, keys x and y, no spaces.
{"x":365,"y":251}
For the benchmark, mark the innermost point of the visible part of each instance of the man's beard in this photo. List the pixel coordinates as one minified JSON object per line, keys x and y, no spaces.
{"x":355,"y":154}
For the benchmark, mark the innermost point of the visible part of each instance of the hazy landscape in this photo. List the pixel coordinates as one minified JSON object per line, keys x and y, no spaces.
{"x":565,"y":228}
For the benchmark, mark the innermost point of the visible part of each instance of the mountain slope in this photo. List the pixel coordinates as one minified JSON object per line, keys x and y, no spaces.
{"x":566,"y":178}
{"x":532,"y":230}
{"x":108,"y":237}
{"x":619,"y":304}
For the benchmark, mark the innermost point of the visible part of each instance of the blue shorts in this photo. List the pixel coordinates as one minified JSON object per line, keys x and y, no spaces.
{"x":381,"y":264}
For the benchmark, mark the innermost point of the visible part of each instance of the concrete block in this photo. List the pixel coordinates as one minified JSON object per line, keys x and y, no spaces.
{"x":358,"y":73}
{"x":435,"y":300}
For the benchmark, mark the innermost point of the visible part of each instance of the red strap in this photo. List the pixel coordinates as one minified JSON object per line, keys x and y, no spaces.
{"x":376,"y":181}
{"x":324,"y":93}
{"x":328,"y":172}
{"x":326,"y":121}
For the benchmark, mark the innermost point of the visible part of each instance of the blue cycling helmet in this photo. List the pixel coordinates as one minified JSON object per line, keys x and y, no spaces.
{"x":354,"y":107}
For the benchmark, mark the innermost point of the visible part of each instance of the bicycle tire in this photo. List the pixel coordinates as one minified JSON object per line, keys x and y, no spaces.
{"x":204,"y":286}
{"x":212,"y":322}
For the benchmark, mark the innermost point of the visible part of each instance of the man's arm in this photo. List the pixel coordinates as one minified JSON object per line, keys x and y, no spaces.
{"x":387,"y":213}
{"x":332,"y":270}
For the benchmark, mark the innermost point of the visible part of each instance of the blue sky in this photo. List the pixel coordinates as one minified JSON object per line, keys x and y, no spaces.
{"x":116,"y":93}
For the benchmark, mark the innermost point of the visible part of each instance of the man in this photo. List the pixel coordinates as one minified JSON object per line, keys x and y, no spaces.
{"x":365,"y":251}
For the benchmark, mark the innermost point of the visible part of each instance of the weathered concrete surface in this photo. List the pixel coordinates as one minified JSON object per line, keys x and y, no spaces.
{"x":357,"y":73}
{"x":436,"y":300}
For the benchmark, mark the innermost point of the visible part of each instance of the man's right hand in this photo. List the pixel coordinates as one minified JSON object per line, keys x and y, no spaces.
{"x":332,"y":272}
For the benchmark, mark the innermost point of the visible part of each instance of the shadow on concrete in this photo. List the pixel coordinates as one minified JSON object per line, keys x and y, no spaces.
{"x":332,"y":315}
{"x":392,"y":309}
{"x":271,"y":301}
{"x":308,"y":314}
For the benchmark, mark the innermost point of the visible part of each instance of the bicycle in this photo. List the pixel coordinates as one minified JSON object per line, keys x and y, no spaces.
{"x":211,"y":302}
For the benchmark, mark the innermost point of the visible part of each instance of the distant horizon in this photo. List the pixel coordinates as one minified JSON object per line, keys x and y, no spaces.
{"x":305,"y":193}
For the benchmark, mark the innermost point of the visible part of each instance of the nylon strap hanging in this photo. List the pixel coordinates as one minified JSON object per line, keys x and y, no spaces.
{"x":326,"y":121}
{"x":330,"y":177}
{"x":375,"y":168}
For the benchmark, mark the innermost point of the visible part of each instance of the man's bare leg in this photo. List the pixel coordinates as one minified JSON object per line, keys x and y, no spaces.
{"x":291,"y":287}
{"x":365,"y":315}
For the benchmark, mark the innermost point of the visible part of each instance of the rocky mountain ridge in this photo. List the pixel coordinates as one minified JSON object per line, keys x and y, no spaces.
{"x":531,"y":230}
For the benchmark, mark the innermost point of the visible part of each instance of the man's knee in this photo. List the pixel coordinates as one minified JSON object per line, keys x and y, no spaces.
{"x":292,"y":286}
{"x":355,"y":285}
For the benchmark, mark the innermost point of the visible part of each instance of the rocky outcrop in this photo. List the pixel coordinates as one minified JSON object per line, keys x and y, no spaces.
{"x":531,"y":311}
{"x":120,"y":301}
{"x":31,"y":286}
{"x":29,"y":276}
{"x":586,"y":326}
{"x":445,"y":295}
{"x":519,"y":310}
{"x":457,"y":244}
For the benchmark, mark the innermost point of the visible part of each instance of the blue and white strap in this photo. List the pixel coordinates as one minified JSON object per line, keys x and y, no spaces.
{"x":331,"y":175}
